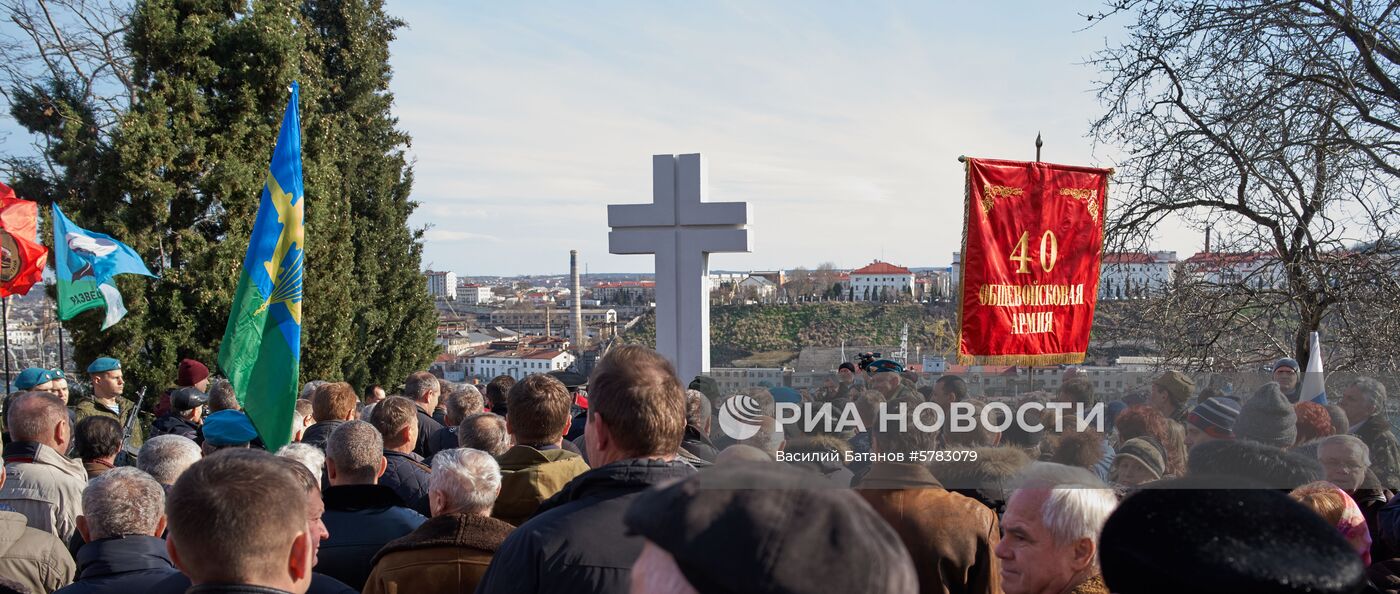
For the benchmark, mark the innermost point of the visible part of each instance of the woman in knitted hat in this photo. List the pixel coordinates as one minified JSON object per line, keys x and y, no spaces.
{"x":1144,"y":421}
{"x":1138,"y":461}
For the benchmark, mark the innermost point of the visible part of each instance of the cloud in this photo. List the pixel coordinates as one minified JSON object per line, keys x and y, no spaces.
{"x":449,"y":236}
{"x":839,"y":124}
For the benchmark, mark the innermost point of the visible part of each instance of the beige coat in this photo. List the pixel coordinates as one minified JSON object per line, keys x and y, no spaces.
{"x":48,"y":491}
{"x":33,"y":557}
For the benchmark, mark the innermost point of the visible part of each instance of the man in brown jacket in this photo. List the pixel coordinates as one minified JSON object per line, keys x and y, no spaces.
{"x":536,"y":467}
{"x":951,"y":537}
{"x":450,"y":552}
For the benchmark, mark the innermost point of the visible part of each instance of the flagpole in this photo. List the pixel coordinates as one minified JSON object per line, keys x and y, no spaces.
{"x":62,"y":366}
{"x":5,"y":320}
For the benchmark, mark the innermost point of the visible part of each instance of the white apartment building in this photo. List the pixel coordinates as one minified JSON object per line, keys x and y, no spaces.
{"x":1136,"y":275}
{"x":474,"y":294}
{"x":867,"y":283}
{"x":442,"y":283}
{"x":518,"y":363}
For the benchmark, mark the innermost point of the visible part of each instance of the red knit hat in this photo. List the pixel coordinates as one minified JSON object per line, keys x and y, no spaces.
{"x":191,"y":372}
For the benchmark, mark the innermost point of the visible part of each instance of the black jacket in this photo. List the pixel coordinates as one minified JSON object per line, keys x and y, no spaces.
{"x":176,"y":425}
{"x":320,"y":432}
{"x":426,"y":428}
{"x":360,"y":519}
{"x":178,"y":584}
{"x":408,"y":477}
{"x":121,"y":565}
{"x":577,"y":542}
{"x":444,"y":439}
{"x":698,"y":444}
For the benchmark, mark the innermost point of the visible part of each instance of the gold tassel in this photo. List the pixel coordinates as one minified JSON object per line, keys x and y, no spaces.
{"x":1022,"y":360}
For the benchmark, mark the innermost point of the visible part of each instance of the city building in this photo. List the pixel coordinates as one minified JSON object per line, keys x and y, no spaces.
{"x":625,"y":292}
{"x":442,"y":284}
{"x":517,"y":363}
{"x":870,"y":282}
{"x":758,"y":288}
{"x":474,"y":294}
{"x":1136,"y":275}
{"x":1253,"y":270}
{"x":934,"y":284}
{"x":533,"y":320}
{"x":733,"y":379}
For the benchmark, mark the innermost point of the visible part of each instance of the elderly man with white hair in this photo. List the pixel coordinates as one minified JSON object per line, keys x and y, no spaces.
{"x":1050,"y":531}
{"x":449,"y":552}
{"x":122,"y":523}
{"x":165,"y":458}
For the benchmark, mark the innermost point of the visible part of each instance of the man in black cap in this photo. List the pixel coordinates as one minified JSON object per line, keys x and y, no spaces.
{"x":574,"y":382}
{"x":186,"y":413}
{"x":1185,"y":536}
{"x":764,"y":527}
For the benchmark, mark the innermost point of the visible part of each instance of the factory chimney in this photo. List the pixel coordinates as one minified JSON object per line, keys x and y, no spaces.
{"x":580,"y":337}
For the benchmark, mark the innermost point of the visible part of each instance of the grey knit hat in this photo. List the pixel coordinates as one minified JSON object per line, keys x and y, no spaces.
{"x":1146,"y":452}
{"x":1268,"y":418}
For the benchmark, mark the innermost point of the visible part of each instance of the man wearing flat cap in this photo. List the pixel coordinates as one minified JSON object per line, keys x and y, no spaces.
{"x":186,"y":415}
{"x":106,"y":398}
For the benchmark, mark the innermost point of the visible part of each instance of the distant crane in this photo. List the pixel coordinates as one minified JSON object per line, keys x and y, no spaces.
{"x":902,"y":355}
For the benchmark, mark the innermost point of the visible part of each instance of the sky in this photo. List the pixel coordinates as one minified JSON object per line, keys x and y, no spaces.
{"x":839,"y":123}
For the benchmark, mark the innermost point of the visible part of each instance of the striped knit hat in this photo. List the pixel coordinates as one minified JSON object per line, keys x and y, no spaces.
{"x":1216,"y":417}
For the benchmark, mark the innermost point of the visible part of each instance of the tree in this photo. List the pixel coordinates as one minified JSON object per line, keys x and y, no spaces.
{"x":391,"y":333}
{"x":1275,"y":121}
{"x":172,"y":158}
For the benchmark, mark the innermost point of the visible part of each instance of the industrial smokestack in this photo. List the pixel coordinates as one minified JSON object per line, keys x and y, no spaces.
{"x":579,"y":336}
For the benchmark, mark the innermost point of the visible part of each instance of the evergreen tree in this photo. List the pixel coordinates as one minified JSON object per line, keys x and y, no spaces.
{"x":389,"y":327}
{"x":180,"y":177}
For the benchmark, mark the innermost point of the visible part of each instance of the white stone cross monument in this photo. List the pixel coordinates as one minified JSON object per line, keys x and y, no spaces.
{"x":681,"y":229}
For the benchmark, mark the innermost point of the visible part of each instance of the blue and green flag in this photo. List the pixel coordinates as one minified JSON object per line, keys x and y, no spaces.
{"x":85,"y":264}
{"x":261,"y":352}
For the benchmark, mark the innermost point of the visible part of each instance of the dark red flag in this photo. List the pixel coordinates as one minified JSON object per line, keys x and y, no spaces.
{"x":22,"y":257}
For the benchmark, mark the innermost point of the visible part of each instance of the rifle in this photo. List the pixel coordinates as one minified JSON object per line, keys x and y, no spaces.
{"x":133,"y":417}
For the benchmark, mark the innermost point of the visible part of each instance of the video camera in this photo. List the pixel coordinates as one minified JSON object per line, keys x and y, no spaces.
{"x":864,"y":360}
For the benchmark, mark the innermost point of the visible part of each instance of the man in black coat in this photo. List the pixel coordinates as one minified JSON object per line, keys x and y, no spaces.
{"x":361,"y":515}
{"x":331,"y":404}
{"x":406,"y":474}
{"x":577,"y":542}
{"x":122,"y":522}
{"x":424,"y":389}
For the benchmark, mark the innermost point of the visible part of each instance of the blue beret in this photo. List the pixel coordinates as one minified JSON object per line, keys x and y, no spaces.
{"x":228,"y":427}
{"x":31,"y":377}
{"x":104,"y":364}
{"x":885,"y":365}
{"x":786,"y":394}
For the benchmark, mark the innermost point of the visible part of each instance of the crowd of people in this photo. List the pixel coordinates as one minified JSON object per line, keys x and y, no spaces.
{"x":624,"y":482}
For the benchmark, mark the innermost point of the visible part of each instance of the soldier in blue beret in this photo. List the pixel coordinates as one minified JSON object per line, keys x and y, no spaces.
{"x":35,"y":378}
{"x":885,"y":377}
{"x":106,"y":398}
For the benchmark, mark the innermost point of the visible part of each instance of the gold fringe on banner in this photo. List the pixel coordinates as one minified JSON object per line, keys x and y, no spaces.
{"x":1022,"y":360}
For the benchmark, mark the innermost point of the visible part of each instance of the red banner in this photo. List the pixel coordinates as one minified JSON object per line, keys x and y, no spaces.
{"x":1032,"y":242}
{"x":22,"y":257}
